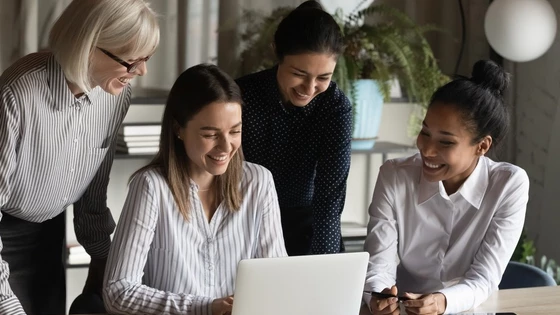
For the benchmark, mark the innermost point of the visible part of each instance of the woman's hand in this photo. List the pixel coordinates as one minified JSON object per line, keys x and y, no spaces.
{"x":428,"y":304}
{"x":385,"y":306}
{"x":222,"y":306}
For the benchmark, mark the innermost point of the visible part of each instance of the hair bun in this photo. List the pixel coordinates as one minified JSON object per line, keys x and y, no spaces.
{"x":489,"y":75}
{"x":310,"y":4}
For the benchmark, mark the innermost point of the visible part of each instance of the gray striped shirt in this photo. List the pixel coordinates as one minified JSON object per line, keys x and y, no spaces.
{"x":55,"y":150}
{"x":161,"y":264}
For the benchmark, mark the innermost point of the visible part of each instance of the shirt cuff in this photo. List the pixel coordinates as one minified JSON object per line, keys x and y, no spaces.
{"x":202,"y":305}
{"x":454,"y":295}
{"x":367,"y":300}
{"x":100,"y":249}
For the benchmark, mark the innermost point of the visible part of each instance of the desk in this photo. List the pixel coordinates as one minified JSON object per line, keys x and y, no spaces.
{"x":530,"y":301}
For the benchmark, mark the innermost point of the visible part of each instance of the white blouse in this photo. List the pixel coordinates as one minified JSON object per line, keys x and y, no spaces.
{"x":159,"y":263}
{"x":426,"y":241}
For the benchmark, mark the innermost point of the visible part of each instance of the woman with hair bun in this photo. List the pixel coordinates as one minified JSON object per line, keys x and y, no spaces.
{"x":445,"y":222}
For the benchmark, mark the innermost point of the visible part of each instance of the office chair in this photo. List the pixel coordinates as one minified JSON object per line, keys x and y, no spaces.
{"x":520,"y":275}
{"x":87,"y":303}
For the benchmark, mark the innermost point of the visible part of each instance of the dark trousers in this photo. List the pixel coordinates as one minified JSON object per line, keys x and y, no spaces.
{"x":34,"y":253}
{"x":297,"y":226}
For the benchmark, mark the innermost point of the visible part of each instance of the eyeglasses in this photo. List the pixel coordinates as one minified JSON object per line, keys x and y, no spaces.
{"x":130,"y":67}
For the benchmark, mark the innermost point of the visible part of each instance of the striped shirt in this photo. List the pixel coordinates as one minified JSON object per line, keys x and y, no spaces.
{"x":56,"y":150}
{"x":159,"y":263}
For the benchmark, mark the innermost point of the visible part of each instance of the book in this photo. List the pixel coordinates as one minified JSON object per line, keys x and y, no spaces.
{"x":140,"y":130}
{"x":77,"y":255}
{"x":135,"y":144}
{"x":128,"y":139}
{"x":138,"y":150}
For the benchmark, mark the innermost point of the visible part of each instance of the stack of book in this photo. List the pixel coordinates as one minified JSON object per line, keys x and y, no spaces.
{"x":77,"y":255}
{"x":138,"y":138}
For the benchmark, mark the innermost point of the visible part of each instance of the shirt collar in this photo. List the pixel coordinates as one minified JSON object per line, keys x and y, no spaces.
{"x":426,"y":189}
{"x":472,"y":190}
{"x":60,"y":91}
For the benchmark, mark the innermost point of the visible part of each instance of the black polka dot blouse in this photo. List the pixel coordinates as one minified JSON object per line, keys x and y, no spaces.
{"x":307,"y":149}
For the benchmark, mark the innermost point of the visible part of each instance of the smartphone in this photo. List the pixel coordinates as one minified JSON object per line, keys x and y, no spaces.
{"x":380,"y":295}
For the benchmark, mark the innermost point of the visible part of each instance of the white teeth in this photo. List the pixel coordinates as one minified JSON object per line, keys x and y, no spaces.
{"x":218,"y":158}
{"x":125,"y":80}
{"x":302,"y":95}
{"x":432,"y":165}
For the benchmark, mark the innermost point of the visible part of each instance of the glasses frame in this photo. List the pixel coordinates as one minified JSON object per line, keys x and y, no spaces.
{"x":130,"y":67}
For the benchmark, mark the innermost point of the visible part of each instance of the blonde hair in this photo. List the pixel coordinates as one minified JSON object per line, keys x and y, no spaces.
{"x":127,"y":28}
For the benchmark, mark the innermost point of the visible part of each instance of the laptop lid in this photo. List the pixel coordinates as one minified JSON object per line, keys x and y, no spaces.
{"x":301,"y":285}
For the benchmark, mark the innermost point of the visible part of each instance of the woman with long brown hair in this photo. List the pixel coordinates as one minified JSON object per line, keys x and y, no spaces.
{"x":195,"y":211}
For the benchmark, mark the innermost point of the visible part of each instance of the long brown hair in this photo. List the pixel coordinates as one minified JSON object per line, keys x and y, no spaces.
{"x":194,"y":89}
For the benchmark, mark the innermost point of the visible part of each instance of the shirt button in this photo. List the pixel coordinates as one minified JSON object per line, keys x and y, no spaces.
{"x":71,"y":170}
{"x":76,"y":140}
{"x":64,"y":199}
{"x":210,"y":267}
{"x":209,"y":240}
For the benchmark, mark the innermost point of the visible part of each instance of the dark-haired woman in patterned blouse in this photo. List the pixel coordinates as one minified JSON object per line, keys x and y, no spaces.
{"x":297,"y":123}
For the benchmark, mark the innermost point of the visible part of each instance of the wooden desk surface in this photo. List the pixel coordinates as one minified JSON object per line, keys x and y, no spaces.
{"x":530,"y":301}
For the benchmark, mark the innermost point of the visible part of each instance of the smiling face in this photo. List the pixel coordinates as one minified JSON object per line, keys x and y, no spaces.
{"x":110,"y":75}
{"x":211,"y":139}
{"x":447,"y":148}
{"x":302,"y":77}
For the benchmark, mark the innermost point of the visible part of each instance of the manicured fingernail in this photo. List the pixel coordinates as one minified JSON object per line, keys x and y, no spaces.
{"x":394,"y":300}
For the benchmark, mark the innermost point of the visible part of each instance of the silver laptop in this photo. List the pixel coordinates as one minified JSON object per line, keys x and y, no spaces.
{"x":301,"y":285}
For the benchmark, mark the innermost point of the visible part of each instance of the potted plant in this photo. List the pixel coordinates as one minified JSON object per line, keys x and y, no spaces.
{"x":525,"y":252}
{"x":382,"y":44}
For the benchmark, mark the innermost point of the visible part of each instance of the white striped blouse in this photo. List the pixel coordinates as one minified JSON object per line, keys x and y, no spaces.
{"x":159,"y":263}
{"x":55,"y":150}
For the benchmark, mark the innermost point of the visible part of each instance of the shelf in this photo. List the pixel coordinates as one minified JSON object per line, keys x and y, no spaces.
{"x":398,"y":100}
{"x":384,"y":147}
{"x":76,"y":266}
{"x":145,"y":96}
{"x":133,"y":156}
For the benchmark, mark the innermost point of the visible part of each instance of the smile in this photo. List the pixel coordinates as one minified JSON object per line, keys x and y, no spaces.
{"x":301,"y":95}
{"x":218,"y":158}
{"x":125,"y":80}
{"x":433,"y":166}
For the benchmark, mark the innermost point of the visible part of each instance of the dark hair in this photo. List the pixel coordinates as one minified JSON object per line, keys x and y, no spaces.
{"x":196,"y":88}
{"x":480,"y":100}
{"x":308,"y":28}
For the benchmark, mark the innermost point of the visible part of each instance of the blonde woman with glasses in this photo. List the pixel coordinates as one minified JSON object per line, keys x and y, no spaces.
{"x":59,"y":115}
